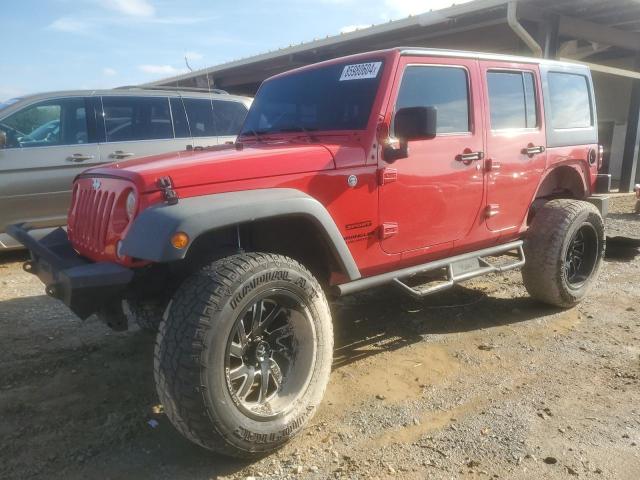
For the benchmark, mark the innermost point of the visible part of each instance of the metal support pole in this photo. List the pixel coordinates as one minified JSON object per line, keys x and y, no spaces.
{"x":551,"y":37}
{"x":632,"y":142}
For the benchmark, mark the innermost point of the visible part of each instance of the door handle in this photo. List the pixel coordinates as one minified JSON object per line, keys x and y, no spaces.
{"x":468,"y":156}
{"x":79,"y":157}
{"x":119,"y":155}
{"x":532,"y":150}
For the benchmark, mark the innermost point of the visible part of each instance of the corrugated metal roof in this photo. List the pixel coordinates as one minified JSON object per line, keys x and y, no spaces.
{"x":431,"y":17}
{"x":420,"y":30}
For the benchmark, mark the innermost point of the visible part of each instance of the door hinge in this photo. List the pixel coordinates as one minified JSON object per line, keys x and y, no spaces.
{"x":388,"y":229}
{"x":492,"y":210}
{"x":387,"y":175}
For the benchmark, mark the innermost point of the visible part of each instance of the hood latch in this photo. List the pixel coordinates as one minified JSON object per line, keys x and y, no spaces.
{"x":169,"y":194}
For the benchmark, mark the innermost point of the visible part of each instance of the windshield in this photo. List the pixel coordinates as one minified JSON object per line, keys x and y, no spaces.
{"x":335,"y":97}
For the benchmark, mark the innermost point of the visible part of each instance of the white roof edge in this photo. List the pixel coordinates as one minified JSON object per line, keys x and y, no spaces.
{"x":433,"y":17}
{"x":487,"y":56}
{"x":595,"y":67}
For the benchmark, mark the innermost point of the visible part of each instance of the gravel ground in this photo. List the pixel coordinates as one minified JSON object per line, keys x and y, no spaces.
{"x":477,"y":382}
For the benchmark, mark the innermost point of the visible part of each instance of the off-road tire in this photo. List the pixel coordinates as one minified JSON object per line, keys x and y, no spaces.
{"x":553,"y":229}
{"x":192,"y":346}
{"x":146,"y":314}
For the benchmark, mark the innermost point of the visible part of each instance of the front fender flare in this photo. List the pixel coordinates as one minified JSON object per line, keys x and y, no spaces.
{"x":149,"y":236}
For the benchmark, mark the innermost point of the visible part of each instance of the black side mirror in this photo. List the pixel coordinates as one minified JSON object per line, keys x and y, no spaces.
{"x":410,"y":123}
{"x":3,"y":139}
{"x":415,"y":123}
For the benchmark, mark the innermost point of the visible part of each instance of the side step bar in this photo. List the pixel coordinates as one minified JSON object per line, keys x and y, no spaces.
{"x":459,"y":268}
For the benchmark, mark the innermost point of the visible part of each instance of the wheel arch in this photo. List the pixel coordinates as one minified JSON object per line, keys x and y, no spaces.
{"x":563,"y":181}
{"x":256,"y":219}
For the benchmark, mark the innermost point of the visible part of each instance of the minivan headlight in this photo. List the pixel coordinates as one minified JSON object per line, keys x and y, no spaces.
{"x":131,"y":204}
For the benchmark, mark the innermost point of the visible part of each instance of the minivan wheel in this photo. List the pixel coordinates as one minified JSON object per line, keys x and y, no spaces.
{"x":563,"y":249}
{"x":244,"y":354}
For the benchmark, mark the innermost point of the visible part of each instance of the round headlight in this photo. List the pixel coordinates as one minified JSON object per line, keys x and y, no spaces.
{"x":131,"y":205}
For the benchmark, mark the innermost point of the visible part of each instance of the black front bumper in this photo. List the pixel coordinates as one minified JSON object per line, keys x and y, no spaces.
{"x":85,"y":287}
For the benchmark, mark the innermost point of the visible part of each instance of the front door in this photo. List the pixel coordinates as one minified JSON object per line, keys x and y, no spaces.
{"x":435,"y":194}
{"x":49,"y":143}
{"x":515,"y":142}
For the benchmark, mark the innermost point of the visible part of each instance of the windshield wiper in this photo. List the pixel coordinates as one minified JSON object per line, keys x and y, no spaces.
{"x":255,"y":133}
{"x":298,"y":128}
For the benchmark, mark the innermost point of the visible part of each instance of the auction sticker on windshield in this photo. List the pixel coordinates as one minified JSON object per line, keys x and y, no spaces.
{"x":360,"y":70}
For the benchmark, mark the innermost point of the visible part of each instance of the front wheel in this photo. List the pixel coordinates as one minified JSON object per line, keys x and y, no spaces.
{"x":244,"y":355}
{"x":563,"y":250}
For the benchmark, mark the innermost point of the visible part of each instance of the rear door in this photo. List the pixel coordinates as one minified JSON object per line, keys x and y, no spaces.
{"x":435,"y":194}
{"x":137,"y":126}
{"x":49,"y":143}
{"x":516,"y":143}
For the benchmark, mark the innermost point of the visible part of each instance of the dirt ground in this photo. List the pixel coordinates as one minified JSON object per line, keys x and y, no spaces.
{"x":477,"y":382}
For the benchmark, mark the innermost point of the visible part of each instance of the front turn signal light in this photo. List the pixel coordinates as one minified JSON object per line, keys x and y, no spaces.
{"x":179,"y":240}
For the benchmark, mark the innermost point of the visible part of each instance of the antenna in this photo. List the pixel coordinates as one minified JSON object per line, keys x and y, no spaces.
{"x":213,"y":116}
{"x":186,"y":61}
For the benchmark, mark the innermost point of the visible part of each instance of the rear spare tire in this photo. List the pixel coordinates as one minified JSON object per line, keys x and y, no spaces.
{"x":244,"y":354}
{"x":563,"y":248}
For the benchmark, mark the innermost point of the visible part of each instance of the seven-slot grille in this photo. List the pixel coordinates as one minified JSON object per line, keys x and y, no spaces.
{"x":92,"y":215}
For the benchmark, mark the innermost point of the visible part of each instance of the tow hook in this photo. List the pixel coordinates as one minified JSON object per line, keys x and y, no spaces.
{"x":53,"y":291}
{"x":169,"y":194}
{"x":29,"y":267}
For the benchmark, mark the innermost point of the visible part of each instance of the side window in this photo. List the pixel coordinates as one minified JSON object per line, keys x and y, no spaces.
{"x":570,"y":100}
{"x":180,"y":124}
{"x":229,"y":116}
{"x":136,"y":118}
{"x":512,"y":100}
{"x":200,"y":117}
{"x":445,"y":88}
{"x":49,"y":123}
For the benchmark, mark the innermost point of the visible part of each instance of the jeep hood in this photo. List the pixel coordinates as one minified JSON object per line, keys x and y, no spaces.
{"x":221,"y":164}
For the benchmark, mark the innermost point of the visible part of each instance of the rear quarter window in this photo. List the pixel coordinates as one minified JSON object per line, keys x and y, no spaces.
{"x":229,"y":116}
{"x":569,"y":100}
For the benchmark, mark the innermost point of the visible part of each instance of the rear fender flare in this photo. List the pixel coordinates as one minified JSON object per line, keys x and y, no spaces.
{"x":572,"y":171}
{"x":149,"y":236}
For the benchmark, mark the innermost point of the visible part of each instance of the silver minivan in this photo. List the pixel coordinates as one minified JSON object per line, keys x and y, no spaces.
{"x":47,"y":139}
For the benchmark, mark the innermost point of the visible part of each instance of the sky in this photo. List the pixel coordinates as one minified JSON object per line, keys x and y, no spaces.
{"x":85,"y":44}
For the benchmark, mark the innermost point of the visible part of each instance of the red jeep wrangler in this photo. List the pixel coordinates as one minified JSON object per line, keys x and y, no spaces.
{"x":349,"y":174}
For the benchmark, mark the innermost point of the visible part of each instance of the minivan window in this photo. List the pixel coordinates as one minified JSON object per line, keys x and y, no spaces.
{"x":180,"y":124}
{"x":570,"y":100}
{"x":512,"y":100}
{"x":48,"y":123}
{"x":445,"y":88}
{"x":228,"y":116}
{"x":200,"y":115}
{"x":136,"y":118}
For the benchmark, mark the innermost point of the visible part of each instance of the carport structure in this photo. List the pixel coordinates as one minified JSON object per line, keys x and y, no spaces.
{"x":603,"y":34}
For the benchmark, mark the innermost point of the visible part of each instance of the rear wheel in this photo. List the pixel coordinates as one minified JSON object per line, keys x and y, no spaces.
{"x":244,"y":355}
{"x":563,"y":249}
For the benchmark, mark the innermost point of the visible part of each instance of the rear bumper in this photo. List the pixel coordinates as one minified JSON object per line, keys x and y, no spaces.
{"x":85,"y":287}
